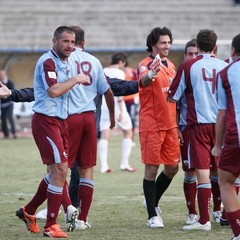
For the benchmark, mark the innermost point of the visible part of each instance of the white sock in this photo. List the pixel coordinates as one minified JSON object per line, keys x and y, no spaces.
{"x":126,"y":151}
{"x":103,"y":154}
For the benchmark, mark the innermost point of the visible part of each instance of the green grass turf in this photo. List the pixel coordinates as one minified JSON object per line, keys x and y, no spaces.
{"x":117,"y":211}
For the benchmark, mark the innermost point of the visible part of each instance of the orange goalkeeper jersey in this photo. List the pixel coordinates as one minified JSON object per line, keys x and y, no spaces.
{"x":155,"y":112}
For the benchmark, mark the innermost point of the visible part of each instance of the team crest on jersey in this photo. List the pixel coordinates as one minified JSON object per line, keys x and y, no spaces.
{"x":52,"y":75}
{"x":142,"y":68}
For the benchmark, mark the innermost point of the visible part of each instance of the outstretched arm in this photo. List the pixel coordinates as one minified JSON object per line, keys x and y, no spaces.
{"x":22,"y":95}
{"x":121,"y":87}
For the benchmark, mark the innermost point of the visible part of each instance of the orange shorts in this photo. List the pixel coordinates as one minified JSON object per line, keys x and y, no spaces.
{"x":160,"y":147}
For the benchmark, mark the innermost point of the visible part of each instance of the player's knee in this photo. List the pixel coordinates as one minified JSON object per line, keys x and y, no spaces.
{"x":61,"y":171}
{"x":150,"y":172}
{"x":171,"y":171}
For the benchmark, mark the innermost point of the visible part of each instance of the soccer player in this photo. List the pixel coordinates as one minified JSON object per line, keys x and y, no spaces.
{"x":52,"y":82}
{"x":223,"y":219}
{"x":119,"y":88}
{"x":227,"y":146}
{"x":189,"y":183}
{"x":158,"y":132}
{"x":197,"y":79}
{"x":123,"y":120}
{"x":82,"y":125}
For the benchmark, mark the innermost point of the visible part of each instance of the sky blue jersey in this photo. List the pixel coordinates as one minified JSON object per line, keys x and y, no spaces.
{"x":196,"y":79}
{"x":81,"y":98}
{"x":50,"y":70}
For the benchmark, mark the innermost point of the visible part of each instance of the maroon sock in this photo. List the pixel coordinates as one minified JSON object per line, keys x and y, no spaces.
{"x":204,"y":196}
{"x":66,"y":201}
{"x":234,"y":220}
{"x":39,"y":197}
{"x":190,"y":191}
{"x":85,"y":193}
{"x":54,"y":200}
{"x":216,"y":196}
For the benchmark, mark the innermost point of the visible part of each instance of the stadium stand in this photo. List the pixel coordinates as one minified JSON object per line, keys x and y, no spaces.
{"x":110,"y":25}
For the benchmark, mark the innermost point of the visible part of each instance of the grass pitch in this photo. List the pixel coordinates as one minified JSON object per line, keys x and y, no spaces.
{"x":117,"y":211}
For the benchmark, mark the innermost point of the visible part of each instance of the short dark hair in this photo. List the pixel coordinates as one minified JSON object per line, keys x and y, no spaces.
{"x":236,"y":44}
{"x":58,"y":32}
{"x":117,"y":57}
{"x":80,"y":34}
{"x":154,"y":35}
{"x":206,"y":40}
{"x":191,"y":43}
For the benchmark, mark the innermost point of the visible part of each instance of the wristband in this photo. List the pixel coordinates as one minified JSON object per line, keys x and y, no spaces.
{"x":152,"y":74}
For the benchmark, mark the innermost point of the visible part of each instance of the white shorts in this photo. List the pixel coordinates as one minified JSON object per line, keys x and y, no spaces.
{"x":125,"y":124}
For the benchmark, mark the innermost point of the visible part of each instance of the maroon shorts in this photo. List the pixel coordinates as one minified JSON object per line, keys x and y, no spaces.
{"x":184,"y":151}
{"x":51,"y":137}
{"x":229,"y":159}
{"x":201,"y":140}
{"x":82,"y":139}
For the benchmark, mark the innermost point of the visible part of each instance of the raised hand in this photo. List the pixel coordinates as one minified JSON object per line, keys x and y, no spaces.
{"x":155,"y":67}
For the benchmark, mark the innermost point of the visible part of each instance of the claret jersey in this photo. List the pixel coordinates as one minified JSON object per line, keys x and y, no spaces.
{"x":197,"y":79}
{"x":228,"y":91}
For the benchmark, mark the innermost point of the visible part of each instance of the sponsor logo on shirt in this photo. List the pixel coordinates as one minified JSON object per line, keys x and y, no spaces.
{"x":165,"y":89}
{"x":176,"y":160}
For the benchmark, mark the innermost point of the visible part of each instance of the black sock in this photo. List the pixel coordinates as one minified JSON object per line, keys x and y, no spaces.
{"x":161,"y":185}
{"x":149,"y":192}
